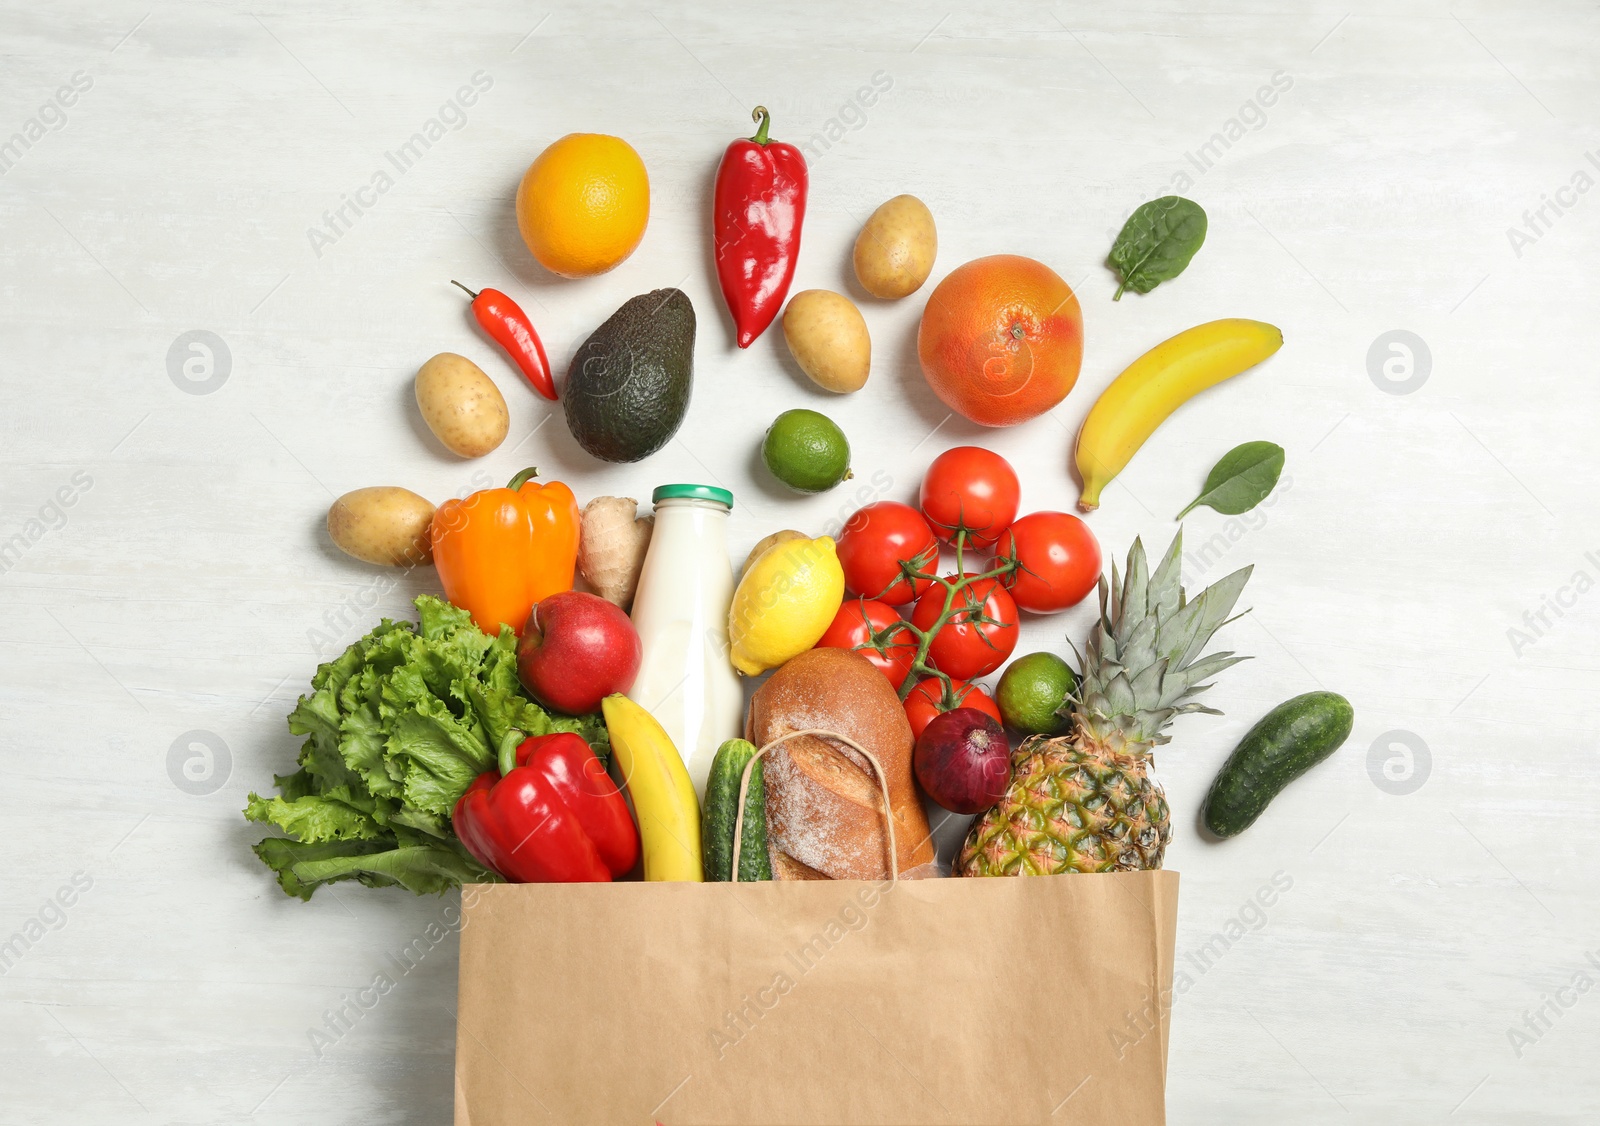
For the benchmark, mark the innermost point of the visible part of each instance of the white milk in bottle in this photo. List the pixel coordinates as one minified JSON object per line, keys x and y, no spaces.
{"x":681,"y":613}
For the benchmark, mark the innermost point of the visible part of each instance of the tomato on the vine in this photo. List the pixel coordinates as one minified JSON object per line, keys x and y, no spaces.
{"x":926,"y":701}
{"x":876,"y":542}
{"x":860,"y":625}
{"x":973,"y":488}
{"x":1058,"y":560}
{"x":981,"y":631}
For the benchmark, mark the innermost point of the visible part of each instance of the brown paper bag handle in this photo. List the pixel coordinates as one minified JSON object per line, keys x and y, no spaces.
{"x":883,"y":783}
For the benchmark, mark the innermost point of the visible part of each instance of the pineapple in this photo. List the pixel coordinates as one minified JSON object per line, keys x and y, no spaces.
{"x":1085,"y":802}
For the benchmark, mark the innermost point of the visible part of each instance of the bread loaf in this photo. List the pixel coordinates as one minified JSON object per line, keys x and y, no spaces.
{"x":824,"y":802}
{"x":786,"y":867}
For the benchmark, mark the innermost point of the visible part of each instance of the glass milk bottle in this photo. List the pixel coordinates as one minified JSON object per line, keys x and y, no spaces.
{"x":681,"y":612}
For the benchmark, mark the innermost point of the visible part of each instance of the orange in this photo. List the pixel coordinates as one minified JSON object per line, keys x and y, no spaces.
{"x":1001,"y":339}
{"x":583,"y":204}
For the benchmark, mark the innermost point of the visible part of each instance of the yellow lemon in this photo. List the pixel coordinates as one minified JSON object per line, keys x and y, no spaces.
{"x":583,"y":204}
{"x":785,"y":603}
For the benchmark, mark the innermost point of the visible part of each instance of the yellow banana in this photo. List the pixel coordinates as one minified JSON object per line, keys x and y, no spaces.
{"x":1158,"y":383}
{"x":663,"y":797}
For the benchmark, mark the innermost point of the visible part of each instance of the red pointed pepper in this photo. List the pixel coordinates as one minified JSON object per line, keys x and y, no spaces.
{"x":758,"y":207}
{"x":550,"y":814}
{"x":504,"y":320}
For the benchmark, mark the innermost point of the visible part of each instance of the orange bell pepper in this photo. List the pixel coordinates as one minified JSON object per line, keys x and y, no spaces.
{"x":500,"y":551}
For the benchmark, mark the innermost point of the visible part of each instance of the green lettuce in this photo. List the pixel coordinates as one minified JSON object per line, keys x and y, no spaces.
{"x":396,"y":727}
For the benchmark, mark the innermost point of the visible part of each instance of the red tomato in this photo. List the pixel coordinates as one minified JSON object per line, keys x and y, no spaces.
{"x":981,"y":632}
{"x":1059,"y":557}
{"x":874,"y":544}
{"x":859,"y":625}
{"x":973,"y":488}
{"x":924,"y":702}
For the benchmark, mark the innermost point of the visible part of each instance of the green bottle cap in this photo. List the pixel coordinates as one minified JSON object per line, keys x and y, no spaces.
{"x":691,"y":492}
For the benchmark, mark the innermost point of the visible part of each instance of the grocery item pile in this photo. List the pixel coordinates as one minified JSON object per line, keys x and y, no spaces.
{"x":574,"y":709}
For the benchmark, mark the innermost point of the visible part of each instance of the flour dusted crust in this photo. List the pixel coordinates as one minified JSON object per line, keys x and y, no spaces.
{"x":824,"y":805}
{"x":786,"y":867}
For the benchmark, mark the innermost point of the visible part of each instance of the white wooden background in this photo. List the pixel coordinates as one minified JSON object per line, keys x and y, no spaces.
{"x":1439,"y":896}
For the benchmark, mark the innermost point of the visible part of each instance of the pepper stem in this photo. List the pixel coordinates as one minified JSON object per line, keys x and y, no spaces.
{"x":763,"y":121}
{"x":463,"y":289}
{"x":522,"y":478}
{"x":508,"y":751}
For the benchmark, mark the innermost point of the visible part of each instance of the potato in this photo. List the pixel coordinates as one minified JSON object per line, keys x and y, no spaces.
{"x":828,"y":339}
{"x":461,"y":405}
{"x":895,"y":250}
{"x":384,"y":525}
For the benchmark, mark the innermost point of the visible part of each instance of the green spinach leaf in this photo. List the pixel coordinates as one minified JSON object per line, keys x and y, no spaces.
{"x":1157,"y":242}
{"x":1241,"y":480}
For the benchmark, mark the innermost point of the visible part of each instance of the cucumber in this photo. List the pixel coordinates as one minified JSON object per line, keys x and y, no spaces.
{"x":1284,"y":744}
{"x":718,"y":816}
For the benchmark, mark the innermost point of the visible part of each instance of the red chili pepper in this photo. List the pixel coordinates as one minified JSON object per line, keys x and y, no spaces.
{"x":759,"y":204}
{"x":504,"y":320}
{"x":550,"y":814}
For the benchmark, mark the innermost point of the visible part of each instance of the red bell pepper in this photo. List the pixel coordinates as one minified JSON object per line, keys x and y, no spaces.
{"x":550,"y":814}
{"x":758,"y":207}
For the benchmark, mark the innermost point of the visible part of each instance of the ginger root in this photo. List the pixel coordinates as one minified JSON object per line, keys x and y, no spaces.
{"x":611,"y":546}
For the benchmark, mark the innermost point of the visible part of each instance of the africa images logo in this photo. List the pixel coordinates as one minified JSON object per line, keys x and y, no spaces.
{"x":51,"y":117}
{"x":339,"y":221}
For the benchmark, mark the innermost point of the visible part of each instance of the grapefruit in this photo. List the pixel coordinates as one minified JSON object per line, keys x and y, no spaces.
{"x":1001,"y":339}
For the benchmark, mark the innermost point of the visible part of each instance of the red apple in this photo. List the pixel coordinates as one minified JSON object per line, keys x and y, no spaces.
{"x":963,"y":760}
{"x":576,"y":650}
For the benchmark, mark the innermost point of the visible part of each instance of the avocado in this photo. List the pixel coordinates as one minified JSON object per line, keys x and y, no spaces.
{"x":628,"y":388}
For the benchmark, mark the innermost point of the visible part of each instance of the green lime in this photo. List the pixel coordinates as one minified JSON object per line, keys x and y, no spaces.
{"x":1031,"y":690}
{"x":806,"y":451}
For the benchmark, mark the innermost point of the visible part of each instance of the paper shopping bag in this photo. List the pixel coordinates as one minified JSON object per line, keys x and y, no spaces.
{"x":1005,"y":1000}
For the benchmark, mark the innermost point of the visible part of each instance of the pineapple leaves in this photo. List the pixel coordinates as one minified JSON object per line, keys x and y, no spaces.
{"x":1134,"y":584}
{"x":1149,"y":684}
{"x":1120,"y":699}
{"x":1193,"y":626}
{"x":1166,"y":584}
{"x":1209,"y":667}
{"x":1145,"y":661}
